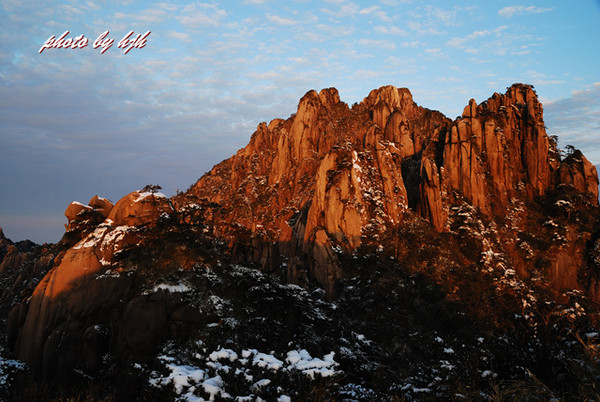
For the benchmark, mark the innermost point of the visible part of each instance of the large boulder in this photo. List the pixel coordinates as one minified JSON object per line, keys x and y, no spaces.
{"x":101,"y":205}
{"x":139,"y":208}
{"x":76,"y":210}
{"x":579,"y":172}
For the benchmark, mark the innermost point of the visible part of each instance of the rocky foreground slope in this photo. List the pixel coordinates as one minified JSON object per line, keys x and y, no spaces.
{"x":433,"y":257}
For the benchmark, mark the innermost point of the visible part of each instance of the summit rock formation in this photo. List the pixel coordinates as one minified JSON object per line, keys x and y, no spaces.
{"x":333,"y":176}
{"x":485,"y":206}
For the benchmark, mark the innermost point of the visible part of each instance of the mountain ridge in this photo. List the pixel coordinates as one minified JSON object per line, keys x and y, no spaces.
{"x":483,"y":211}
{"x":413,"y":159}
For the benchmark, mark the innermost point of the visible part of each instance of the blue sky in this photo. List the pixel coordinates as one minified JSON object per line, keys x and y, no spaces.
{"x":75,"y":123}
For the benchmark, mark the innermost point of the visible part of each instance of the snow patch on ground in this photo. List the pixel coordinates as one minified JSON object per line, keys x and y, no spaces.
{"x":310,"y":366}
{"x":223,"y":353}
{"x":204,"y":374}
{"x":267,"y":361}
{"x":178,"y":288}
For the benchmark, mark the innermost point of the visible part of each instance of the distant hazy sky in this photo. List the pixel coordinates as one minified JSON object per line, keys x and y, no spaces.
{"x":74,"y":123}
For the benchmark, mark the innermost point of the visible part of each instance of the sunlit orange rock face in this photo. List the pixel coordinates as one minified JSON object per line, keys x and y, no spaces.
{"x":71,"y":287}
{"x":333,"y":175}
{"x":139,"y":208}
{"x":499,"y":146}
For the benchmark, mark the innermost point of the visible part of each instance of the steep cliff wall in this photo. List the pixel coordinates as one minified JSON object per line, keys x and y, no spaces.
{"x":351,"y":174}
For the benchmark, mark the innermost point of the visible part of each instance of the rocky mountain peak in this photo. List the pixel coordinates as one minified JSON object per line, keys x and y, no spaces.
{"x":484,"y":206}
{"x":330,"y":176}
{"x":329,"y":97}
{"x":392,"y":97}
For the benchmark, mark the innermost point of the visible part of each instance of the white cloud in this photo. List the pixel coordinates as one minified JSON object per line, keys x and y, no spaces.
{"x":446,"y":17}
{"x":276,"y":19}
{"x":71,"y":10}
{"x":93,"y":6}
{"x":151,"y":15}
{"x":336,"y":30}
{"x":345,"y":9}
{"x":310,"y":36}
{"x":390,"y":30}
{"x":524,"y":50}
{"x":182,"y":36}
{"x":377,"y":12}
{"x":511,"y":11}
{"x":201,"y":15}
{"x":378,"y":43}
{"x":458,"y":42}
{"x":448,"y":79}
{"x":412,"y":44}
{"x":147,"y":16}
{"x":167,"y":6}
{"x":349,"y":9}
{"x":499,"y":42}
{"x":434,"y":53}
{"x":538,"y":78}
{"x":365,"y":74}
{"x":300,"y":60}
{"x":427,"y":29}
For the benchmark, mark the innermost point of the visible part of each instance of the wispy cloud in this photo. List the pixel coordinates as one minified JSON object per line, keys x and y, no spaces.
{"x":511,"y":11}
{"x":423,"y":29}
{"x":343,"y":8}
{"x":501,"y":41}
{"x":412,"y":44}
{"x":539,"y":78}
{"x":71,"y":10}
{"x":434,"y":20}
{"x":390,"y":30}
{"x":447,"y":17}
{"x":182,"y":36}
{"x":458,"y":41}
{"x":377,"y":12}
{"x":336,"y":30}
{"x":310,"y":36}
{"x":576,"y":120}
{"x":378,"y":43}
{"x":276,"y":19}
{"x":199,"y":15}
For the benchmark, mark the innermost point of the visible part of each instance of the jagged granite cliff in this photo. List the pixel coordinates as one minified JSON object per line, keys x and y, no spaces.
{"x":411,"y":222}
{"x":334,"y":176}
